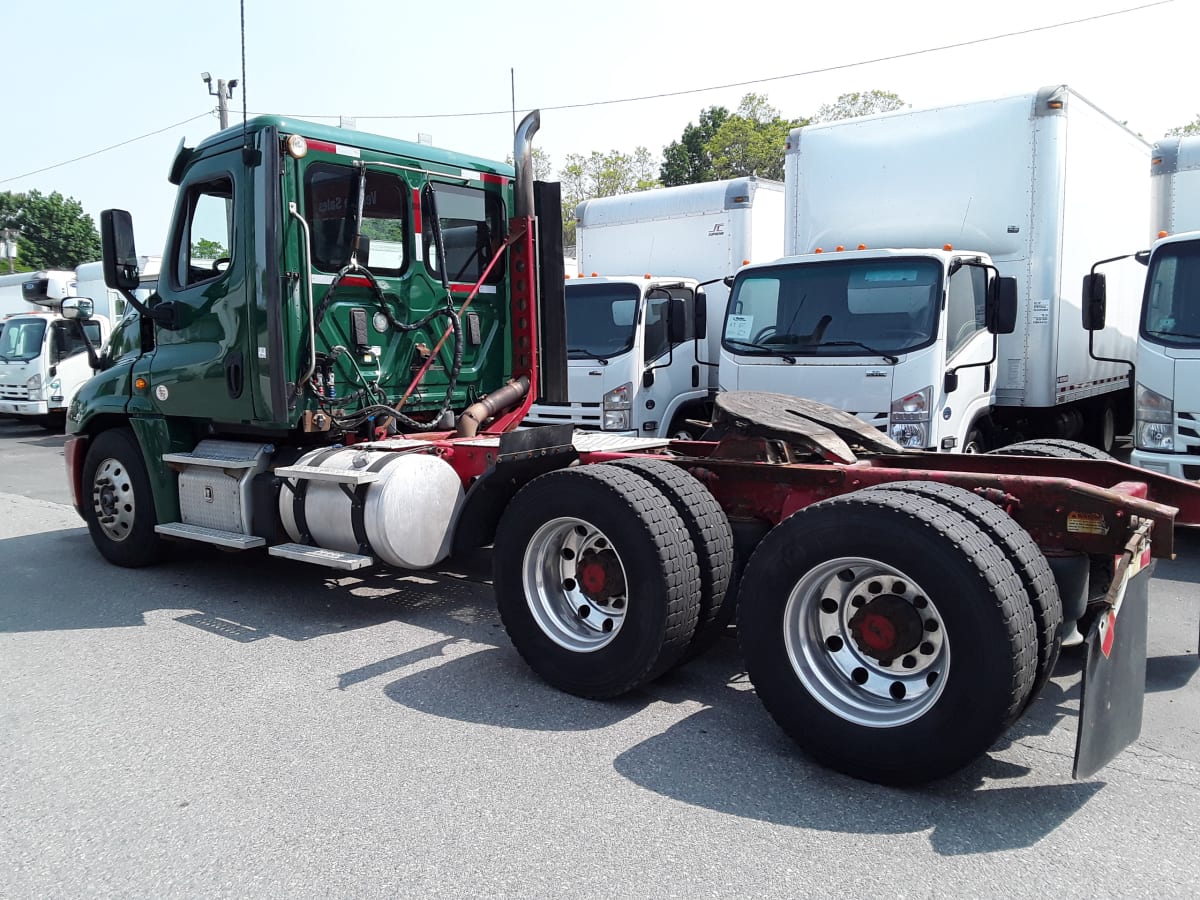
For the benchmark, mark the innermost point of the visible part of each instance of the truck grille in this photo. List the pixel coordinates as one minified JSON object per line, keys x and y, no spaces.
{"x":585,"y":414}
{"x":1187,"y":431}
{"x":12,"y":392}
{"x":879,"y":421}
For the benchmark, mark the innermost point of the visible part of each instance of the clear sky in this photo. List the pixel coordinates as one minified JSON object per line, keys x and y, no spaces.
{"x":82,"y":75}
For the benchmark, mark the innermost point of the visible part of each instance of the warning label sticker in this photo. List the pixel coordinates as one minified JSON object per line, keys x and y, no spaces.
{"x":1086,"y":523}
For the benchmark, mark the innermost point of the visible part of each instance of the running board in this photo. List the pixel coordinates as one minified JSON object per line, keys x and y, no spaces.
{"x":333,"y":559}
{"x":233,"y":540}
{"x":326,"y":473}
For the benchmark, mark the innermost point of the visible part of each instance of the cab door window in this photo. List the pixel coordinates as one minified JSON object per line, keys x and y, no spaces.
{"x":965,"y":307}
{"x":204,"y":247}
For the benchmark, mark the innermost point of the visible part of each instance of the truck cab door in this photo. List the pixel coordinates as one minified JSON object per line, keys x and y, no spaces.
{"x":968,"y":343}
{"x":201,"y":358}
{"x":671,"y":361}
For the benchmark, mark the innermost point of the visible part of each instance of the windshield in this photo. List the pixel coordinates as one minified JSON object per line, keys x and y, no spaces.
{"x":836,"y":308}
{"x":1171,"y":311}
{"x":22,"y":339}
{"x":600,"y":319}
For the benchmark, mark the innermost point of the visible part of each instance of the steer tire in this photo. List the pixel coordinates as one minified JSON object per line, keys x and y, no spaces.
{"x":711,"y":537}
{"x":115,"y":479}
{"x":540,"y":569}
{"x":1024,"y":554}
{"x":834,"y":687}
{"x":1057,"y":448}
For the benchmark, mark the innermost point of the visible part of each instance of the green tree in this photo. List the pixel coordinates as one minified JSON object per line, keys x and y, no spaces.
{"x":602,"y":175}
{"x":542,"y":167}
{"x":1192,"y":127}
{"x":208,"y":249}
{"x":686,"y":161}
{"x":858,"y":103}
{"x":751,"y":141}
{"x":55,"y":232}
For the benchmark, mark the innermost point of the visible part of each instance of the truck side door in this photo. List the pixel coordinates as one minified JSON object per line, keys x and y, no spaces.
{"x":967,"y":341}
{"x":199,"y":366}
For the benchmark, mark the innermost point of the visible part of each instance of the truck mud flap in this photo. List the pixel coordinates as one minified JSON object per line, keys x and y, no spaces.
{"x":1114,"y":675}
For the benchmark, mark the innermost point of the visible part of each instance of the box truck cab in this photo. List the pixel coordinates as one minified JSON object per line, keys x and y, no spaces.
{"x":633,"y":351}
{"x":43,"y":362}
{"x":1166,"y":434}
{"x":625,"y":376}
{"x":1039,"y":185}
{"x":888,"y":335}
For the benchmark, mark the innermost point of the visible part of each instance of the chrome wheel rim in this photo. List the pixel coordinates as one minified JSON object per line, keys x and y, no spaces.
{"x":866,"y":642}
{"x":575,"y":584}
{"x":113,"y":500}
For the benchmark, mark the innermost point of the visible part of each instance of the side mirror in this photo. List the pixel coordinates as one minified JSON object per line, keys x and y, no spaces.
{"x":950,"y":384}
{"x":119,"y":253}
{"x":1000,"y":310}
{"x":80,"y":308}
{"x":676,"y":320}
{"x":700,"y":315}
{"x":1095,"y":301}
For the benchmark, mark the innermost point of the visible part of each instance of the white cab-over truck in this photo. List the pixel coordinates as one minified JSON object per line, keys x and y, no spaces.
{"x":1034,"y":188}
{"x":642,"y":334}
{"x":43,"y":356}
{"x":1167,"y":396}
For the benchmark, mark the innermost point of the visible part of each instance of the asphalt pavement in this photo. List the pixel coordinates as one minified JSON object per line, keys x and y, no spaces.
{"x":236,"y":725}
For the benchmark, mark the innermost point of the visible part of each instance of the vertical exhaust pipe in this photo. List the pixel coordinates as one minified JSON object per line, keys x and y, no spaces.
{"x":523,"y":162}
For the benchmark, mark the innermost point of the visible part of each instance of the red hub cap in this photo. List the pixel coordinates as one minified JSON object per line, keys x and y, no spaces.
{"x":887,"y":627}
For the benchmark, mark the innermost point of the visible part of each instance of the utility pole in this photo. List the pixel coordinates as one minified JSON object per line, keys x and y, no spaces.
{"x":223,"y":92}
{"x":10,"y":248}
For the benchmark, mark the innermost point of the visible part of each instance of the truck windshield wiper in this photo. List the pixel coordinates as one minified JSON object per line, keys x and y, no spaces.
{"x":889,"y":357}
{"x":589,"y":353}
{"x":750,"y":344}
{"x":1174,"y":334}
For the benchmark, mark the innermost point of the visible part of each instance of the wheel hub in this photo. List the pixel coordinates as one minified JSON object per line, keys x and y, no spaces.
{"x":866,"y":641}
{"x":575,"y":584}
{"x":600,"y":576}
{"x":887,"y":627}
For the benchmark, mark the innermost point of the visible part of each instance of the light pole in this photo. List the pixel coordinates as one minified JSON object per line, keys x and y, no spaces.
{"x":223,"y":92}
{"x":10,"y":248}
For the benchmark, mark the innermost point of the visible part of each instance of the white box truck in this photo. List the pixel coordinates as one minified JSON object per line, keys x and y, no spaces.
{"x":642,"y":339}
{"x":1035,"y":187}
{"x":1166,"y":433}
{"x":43,"y":356}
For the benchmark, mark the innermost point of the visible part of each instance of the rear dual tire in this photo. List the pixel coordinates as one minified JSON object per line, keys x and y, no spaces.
{"x":596,"y":579}
{"x":888,"y":635}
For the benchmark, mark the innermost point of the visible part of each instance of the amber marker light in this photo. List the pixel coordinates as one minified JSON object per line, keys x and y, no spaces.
{"x":862,"y":246}
{"x":1163,"y":234}
{"x":947,"y":246}
{"x":141,"y":383}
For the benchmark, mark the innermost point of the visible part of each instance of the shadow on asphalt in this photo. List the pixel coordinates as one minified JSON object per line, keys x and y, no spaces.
{"x":728,"y":756}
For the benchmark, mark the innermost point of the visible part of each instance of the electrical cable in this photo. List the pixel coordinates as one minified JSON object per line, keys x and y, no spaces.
{"x":140,"y":137}
{"x":716,"y":87}
{"x":754,"y":81}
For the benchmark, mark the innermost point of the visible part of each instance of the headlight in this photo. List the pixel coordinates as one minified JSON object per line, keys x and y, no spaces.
{"x":1153,"y":420}
{"x":619,"y":397}
{"x":615,"y":420}
{"x":910,"y":419}
{"x":34,"y":382}
{"x":909,"y":434}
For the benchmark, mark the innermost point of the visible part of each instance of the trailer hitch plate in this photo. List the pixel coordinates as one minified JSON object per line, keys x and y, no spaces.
{"x":1114,"y":674}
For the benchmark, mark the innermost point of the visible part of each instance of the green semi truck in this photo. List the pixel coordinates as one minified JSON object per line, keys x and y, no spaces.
{"x":347,"y":333}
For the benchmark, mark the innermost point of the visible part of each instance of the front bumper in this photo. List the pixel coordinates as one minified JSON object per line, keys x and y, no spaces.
{"x":26,"y":407}
{"x":1177,"y":465}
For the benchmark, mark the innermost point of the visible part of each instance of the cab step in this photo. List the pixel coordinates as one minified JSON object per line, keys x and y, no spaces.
{"x":232,"y":540}
{"x":327,"y":473}
{"x":333,"y":559}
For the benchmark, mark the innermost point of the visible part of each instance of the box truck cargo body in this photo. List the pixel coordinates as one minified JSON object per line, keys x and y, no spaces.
{"x":1040,"y":186}
{"x":630,"y":368}
{"x":1166,"y":434}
